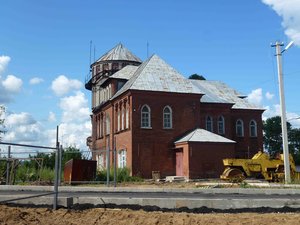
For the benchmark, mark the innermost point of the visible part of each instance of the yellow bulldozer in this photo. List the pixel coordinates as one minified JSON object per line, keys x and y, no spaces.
{"x":260,"y":166}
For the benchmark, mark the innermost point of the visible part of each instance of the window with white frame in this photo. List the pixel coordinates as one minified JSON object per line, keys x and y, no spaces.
{"x":100,"y":161}
{"x":209,"y":123}
{"x":253,"y":128}
{"x":239,"y":128}
{"x":101,"y":126}
{"x":122,"y":159}
{"x":123,"y":118}
{"x":107,"y":124}
{"x":127,"y":118}
{"x":167,"y":117}
{"x":118,"y":120}
{"x":146,"y":117}
{"x":221,"y":125}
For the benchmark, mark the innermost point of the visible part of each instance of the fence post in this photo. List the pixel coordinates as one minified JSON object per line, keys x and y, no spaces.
{"x":115,"y":163}
{"x":59,"y":165}
{"x":56,"y":172}
{"x":8,"y":166}
{"x":107,"y":165}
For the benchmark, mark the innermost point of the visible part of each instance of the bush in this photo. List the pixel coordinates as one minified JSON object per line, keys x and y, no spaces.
{"x":24,"y":174}
{"x":123,"y":175}
{"x":47,"y":175}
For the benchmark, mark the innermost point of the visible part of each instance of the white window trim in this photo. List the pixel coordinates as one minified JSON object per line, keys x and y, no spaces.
{"x":100,"y":161}
{"x":107,"y":127}
{"x":118,"y":120}
{"x":223,"y":123}
{"x":255,"y":128}
{"x":122,"y":158}
{"x":149,"y":117}
{"x":127,"y":118}
{"x":242,"y":127}
{"x":211,"y":124}
{"x":122,"y":118}
{"x":171,"y":117}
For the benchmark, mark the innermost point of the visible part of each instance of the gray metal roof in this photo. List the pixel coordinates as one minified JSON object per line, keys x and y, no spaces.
{"x":156,"y":75}
{"x":219,"y":92}
{"x":201,"y":135}
{"x":119,"y":52}
{"x":125,"y":73}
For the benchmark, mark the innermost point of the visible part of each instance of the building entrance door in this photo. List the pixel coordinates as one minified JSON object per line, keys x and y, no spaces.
{"x":179,"y":163}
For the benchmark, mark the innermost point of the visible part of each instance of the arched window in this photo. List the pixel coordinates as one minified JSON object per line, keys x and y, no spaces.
{"x":127,"y":118}
{"x":239,"y":128}
{"x":209,"y":123}
{"x":221,"y":125}
{"x":253,"y":128}
{"x":107,"y":124}
{"x":122,"y":159}
{"x":167,"y":117}
{"x":123,"y":118}
{"x":146,"y":117}
{"x":119,"y":120}
{"x":100,"y":161}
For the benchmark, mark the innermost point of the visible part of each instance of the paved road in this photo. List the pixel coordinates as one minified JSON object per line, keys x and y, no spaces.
{"x":155,"y":195}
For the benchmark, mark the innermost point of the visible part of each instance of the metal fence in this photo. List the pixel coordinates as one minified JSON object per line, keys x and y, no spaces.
{"x":11,"y":164}
{"x":12,"y":158}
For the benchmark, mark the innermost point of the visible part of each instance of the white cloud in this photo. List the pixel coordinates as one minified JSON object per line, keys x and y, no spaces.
{"x":75,"y":134}
{"x":255,"y":96}
{"x":22,"y":128}
{"x":73,"y":130}
{"x":269,"y":96}
{"x":271,"y":111}
{"x":75,"y":108}
{"x":12,"y":84}
{"x":35,"y":80}
{"x":51,"y":117}
{"x":62,"y":85}
{"x":76,"y":125}
{"x":275,"y":110}
{"x":289,"y":11}
{"x":4,"y":60}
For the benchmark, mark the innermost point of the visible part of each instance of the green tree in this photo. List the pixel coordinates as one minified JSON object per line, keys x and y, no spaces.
{"x":71,"y":153}
{"x":294,"y":144}
{"x":273,"y":138}
{"x":49,"y":158}
{"x":273,"y":135}
{"x":196,"y":76}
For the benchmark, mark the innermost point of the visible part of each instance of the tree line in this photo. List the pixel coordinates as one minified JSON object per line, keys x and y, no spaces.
{"x":273,"y":138}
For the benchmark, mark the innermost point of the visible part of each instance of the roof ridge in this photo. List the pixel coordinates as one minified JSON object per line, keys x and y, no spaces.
{"x":192,"y":134}
{"x":127,"y":85}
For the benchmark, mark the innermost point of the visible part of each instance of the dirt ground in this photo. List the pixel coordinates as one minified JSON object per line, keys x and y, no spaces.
{"x":16,"y":215}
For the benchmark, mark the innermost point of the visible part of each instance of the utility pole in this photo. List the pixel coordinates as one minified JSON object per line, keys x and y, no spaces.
{"x":286,"y":160}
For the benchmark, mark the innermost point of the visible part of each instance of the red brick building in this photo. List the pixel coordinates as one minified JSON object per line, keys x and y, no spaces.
{"x":158,"y":120}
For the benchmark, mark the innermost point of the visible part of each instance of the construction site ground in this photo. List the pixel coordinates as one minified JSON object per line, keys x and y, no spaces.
{"x":40,"y":215}
{"x":23,"y":215}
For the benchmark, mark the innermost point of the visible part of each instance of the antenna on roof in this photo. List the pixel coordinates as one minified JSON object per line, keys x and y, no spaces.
{"x":94,"y":53}
{"x":91,"y":52}
{"x":147,"y":49}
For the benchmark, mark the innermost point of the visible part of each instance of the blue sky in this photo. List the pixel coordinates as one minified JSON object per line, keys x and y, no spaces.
{"x":44,"y":54}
